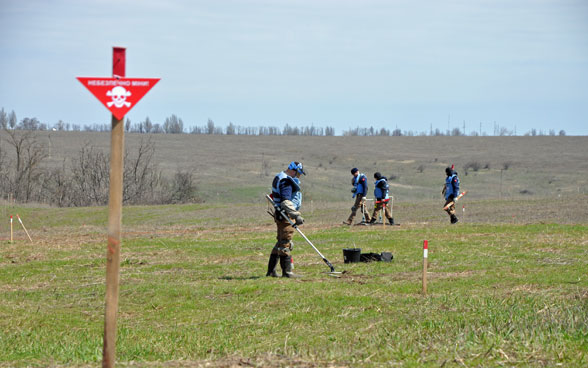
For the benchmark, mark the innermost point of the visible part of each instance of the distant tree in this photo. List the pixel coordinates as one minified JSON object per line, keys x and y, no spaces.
{"x":197,"y":130}
{"x":157,"y":129}
{"x":12,"y":120}
{"x":89,"y":177}
{"x":329,"y":131}
{"x":396,"y":132}
{"x":147,"y":125}
{"x":504,"y":132}
{"x":210,"y":127}
{"x":29,"y":124}
{"x":26,"y":171}
{"x":231,"y":129}
{"x":128,"y":125}
{"x":562,"y":132}
{"x":3,"y":119}
{"x":173,"y":125}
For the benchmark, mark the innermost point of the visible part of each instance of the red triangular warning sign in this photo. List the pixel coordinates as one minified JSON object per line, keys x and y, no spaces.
{"x":119,"y":95}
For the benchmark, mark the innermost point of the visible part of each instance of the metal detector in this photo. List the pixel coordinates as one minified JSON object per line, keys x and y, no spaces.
{"x":332,"y":272}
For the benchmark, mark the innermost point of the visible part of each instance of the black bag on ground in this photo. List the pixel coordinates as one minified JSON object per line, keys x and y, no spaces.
{"x":370,"y":257}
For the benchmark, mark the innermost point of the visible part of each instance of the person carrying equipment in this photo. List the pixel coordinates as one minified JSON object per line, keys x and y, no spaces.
{"x":285,"y":190}
{"x":359,"y":182}
{"x":382,"y":198}
{"x":450,"y":191}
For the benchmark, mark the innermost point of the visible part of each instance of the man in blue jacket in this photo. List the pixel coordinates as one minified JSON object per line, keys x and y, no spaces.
{"x":381,"y":188}
{"x":450,"y":191}
{"x":359,"y":191}
{"x":285,"y":189}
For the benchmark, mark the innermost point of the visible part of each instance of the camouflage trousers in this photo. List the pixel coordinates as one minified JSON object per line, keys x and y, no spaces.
{"x":359,"y":205}
{"x":378,"y":206}
{"x":451,"y":209}
{"x":283,"y":246}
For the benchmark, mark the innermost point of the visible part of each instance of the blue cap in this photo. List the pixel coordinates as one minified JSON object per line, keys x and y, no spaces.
{"x":296,"y":166}
{"x":354,"y":170}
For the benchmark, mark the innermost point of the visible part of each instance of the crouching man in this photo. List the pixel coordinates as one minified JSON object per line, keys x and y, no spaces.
{"x":285,"y":193}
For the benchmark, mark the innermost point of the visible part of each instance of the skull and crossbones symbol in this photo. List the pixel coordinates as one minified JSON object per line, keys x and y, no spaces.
{"x":119,"y":96}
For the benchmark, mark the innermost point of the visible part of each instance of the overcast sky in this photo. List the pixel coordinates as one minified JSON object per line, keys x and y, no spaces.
{"x":409,"y":64}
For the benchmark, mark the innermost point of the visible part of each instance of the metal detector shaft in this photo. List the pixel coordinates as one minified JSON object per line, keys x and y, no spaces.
{"x":299,"y":232}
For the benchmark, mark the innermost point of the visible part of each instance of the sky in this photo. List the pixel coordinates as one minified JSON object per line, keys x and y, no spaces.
{"x":412,"y":65}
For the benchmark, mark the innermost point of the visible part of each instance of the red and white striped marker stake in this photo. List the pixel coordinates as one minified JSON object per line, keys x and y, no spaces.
{"x":11,"y":228}
{"x":25,"y":229}
{"x":425,"y":255}
{"x":463,"y":211}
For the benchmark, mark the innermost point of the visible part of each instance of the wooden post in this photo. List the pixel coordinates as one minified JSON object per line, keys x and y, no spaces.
{"x":114,"y":222}
{"x":425,"y":255}
{"x":392,"y":207}
{"x":25,"y":229}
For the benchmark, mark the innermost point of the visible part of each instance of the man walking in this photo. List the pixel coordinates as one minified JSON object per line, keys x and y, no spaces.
{"x":382,"y":199}
{"x":359,"y":191}
{"x":285,"y":190}
{"x":450,"y":191}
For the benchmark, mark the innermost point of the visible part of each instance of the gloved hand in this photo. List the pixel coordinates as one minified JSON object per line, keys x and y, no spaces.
{"x":353,"y":190}
{"x":299,"y":220}
{"x":289,"y":208}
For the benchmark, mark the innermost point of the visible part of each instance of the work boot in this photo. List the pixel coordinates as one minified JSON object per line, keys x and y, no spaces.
{"x":271,"y":266}
{"x":454,"y":219}
{"x":347,"y":222}
{"x":372,"y":221}
{"x":391,"y":220}
{"x":286,"y":264}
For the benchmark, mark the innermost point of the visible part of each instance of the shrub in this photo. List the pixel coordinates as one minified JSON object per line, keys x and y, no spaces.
{"x":474,"y":165}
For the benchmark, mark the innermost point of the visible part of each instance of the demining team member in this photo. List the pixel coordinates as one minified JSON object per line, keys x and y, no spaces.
{"x":382,"y":198}
{"x":285,"y":190}
{"x":359,"y":191}
{"x":450,"y":191}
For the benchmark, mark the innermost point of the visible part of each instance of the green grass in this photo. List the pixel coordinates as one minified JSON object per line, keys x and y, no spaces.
{"x":499,"y":294}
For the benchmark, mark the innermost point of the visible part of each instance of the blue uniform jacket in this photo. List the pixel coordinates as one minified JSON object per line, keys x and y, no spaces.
{"x":360,"y":185}
{"x":381,"y":189}
{"x":451,"y":186}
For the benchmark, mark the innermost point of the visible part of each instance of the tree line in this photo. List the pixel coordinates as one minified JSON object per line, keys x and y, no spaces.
{"x":174,"y":125}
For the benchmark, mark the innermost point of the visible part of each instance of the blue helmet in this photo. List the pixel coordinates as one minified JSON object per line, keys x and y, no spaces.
{"x":296,"y":166}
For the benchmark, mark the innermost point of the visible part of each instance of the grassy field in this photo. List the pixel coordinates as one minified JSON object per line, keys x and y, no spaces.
{"x":508,"y":286}
{"x":240,"y":168}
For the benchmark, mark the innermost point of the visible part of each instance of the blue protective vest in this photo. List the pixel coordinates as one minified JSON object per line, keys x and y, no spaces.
{"x":380,"y":193}
{"x":451,"y":186}
{"x":360,"y":185}
{"x":276,"y":187}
